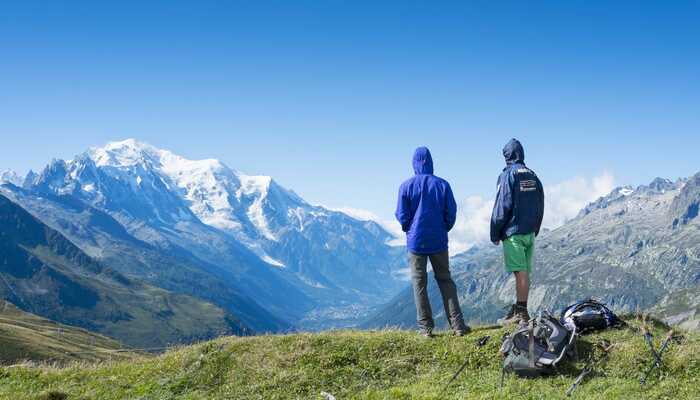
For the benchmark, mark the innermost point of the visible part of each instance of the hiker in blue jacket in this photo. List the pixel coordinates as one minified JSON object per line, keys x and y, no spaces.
{"x":427,"y":211}
{"x":516,"y":221}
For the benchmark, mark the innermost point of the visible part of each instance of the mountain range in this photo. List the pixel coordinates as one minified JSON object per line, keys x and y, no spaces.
{"x":148,"y":247}
{"x":637,"y":249}
{"x":243,"y":243}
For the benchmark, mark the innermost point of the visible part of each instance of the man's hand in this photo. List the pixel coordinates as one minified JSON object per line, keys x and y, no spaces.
{"x":496,"y":243}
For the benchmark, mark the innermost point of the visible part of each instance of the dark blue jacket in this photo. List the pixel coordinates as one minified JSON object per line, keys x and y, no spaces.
{"x":519,"y":206}
{"x":426,"y":208}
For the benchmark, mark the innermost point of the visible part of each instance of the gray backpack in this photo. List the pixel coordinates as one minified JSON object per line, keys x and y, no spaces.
{"x":537,"y":348}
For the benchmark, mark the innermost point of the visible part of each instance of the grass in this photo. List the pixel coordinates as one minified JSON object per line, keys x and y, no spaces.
{"x":359,"y":365}
{"x":25,"y":336}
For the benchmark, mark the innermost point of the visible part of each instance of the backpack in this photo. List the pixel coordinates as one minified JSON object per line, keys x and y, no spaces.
{"x":537,"y":348}
{"x":588,"y":316}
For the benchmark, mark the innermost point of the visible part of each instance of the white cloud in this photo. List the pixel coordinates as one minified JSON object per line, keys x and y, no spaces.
{"x":473,"y":224}
{"x":563,"y":201}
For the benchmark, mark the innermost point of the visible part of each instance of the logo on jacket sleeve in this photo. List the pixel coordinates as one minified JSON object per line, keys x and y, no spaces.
{"x":528,"y":185}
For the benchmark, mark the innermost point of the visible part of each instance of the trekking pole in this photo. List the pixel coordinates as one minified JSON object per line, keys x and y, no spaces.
{"x":657,"y":361}
{"x":650,"y":343}
{"x":479,"y":343}
{"x":459,"y":371}
{"x":590,"y":366}
{"x":586,"y":370}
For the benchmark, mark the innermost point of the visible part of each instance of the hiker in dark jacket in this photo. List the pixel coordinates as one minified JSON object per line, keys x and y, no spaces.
{"x":516,"y":221}
{"x":427,"y":211}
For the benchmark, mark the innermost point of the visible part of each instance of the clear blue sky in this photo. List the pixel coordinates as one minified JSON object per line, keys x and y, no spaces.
{"x":331,"y":97}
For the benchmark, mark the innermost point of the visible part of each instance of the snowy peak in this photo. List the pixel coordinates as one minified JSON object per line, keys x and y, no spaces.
{"x":10,"y":176}
{"x":219,"y":196}
{"x":603,"y":202}
{"x":130,"y":152}
{"x":658,"y":186}
{"x":124,"y":153}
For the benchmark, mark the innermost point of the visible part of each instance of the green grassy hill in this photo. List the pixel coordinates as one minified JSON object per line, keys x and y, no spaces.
{"x":25,"y":336}
{"x":358,"y":365}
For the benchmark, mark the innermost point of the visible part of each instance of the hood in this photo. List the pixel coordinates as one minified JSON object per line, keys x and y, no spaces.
{"x":513,"y":152}
{"x":422,"y":161}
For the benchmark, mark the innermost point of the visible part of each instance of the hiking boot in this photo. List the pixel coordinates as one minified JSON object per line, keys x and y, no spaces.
{"x":426,"y":332}
{"x":463,"y":331}
{"x":516,"y":315}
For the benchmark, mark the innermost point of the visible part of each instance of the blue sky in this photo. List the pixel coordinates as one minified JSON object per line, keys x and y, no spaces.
{"x":331,"y":97}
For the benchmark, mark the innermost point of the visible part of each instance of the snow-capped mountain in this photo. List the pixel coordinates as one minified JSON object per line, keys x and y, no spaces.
{"x":221,"y":216}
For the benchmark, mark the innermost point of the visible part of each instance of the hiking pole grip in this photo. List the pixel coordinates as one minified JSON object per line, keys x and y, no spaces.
{"x":648,"y":338}
{"x":669,"y":336}
{"x":664,"y":345}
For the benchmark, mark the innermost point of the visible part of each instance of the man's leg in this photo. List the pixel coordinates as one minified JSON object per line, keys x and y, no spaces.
{"x":419,"y":277}
{"x":517,"y":256}
{"x":522,"y":278}
{"x":522,"y":287}
{"x":448,"y":290}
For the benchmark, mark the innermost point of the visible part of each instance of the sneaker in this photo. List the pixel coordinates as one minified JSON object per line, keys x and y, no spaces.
{"x":516,"y":315}
{"x":508,"y":317}
{"x":426,"y":332}
{"x":523,"y":315}
{"x":462,"y":332}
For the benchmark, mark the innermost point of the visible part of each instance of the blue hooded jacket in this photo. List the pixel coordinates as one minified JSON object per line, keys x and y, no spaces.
{"x":519,"y":205}
{"x":426,"y":208}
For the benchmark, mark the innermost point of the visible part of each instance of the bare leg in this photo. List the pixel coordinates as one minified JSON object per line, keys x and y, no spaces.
{"x":522,"y":285}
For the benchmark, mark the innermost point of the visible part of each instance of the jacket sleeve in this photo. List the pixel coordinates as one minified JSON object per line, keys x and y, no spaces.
{"x":403,"y":210}
{"x":502,"y":207}
{"x":540,"y":209}
{"x":450,"y":208}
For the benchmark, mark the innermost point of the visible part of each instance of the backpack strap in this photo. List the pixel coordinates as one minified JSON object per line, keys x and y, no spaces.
{"x":531,"y":343}
{"x":590,"y":302}
{"x":572,"y":340}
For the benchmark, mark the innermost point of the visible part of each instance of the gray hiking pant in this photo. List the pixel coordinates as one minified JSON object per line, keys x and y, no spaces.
{"x":419,"y":276}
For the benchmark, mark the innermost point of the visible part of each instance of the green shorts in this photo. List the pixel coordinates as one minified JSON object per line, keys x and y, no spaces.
{"x":517,"y":252}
